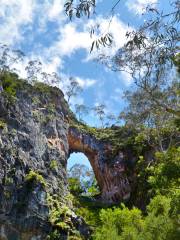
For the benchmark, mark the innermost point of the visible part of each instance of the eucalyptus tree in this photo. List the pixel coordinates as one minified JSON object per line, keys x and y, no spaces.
{"x":110,"y":119}
{"x":100,"y":111}
{"x":149,"y":55}
{"x":50,"y":78}
{"x":149,"y":52}
{"x":81,"y":110}
{"x":73,"y":89}
{"x":9,"y":57}
{"x":155,"y":125}
{"x":80,"y":8}
{"x":33,"y":69}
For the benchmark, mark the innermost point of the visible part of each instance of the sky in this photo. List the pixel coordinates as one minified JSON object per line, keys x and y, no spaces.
{"x":41,"y":29}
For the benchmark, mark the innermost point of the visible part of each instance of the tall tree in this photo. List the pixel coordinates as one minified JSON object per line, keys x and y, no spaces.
{"x":149,"y":55}
{"x":100,"y":112}
{"x":150,"y":51}
{"x":73,"y":89}
{"x":9,"y":57}
{"x":81,"y":110}
{"x":34,"y":69}
{"x":50,"y":78}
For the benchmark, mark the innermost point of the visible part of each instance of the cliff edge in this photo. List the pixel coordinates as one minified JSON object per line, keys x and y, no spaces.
{"x":37,"y":134}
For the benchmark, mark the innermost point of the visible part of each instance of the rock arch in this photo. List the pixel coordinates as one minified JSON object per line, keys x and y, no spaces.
{"x":110,"y":172}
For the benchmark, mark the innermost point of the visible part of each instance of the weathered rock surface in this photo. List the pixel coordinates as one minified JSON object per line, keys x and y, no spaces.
{"x":35,"y":143}
{"x":109,"y":170}
{"x":33,"y":135}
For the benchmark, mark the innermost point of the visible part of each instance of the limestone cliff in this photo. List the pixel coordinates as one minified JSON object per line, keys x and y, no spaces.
{"x":37,"y":135}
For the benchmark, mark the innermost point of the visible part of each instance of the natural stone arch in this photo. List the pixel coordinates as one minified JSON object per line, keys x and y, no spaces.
{"x":111,"y":178}
{"x":80,"y":143}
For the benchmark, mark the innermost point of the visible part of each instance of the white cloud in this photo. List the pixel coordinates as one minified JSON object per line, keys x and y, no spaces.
{"x":70,"y":40}
{"x":49,"y":10}
{"x":56,"y":9}
{"x":85,"y":83}
{"x":139,"y":6}
{"x":52,"y":65}
{"x":14,"y":14}
{"x":19,"y":16}
{"x":127,"y":78}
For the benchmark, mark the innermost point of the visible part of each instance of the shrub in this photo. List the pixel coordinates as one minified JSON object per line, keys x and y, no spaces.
{"x":53,"y":164}
{"x":33,"y":176}
{"x":3,"y":124}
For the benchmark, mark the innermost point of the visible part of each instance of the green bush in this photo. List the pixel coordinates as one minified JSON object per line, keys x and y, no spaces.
{"x":3,"y":124}
{"x":124,"y":224}
{"x":75,"y":186}
{"x":53,"y":164}
{"x":33,"y":176}
{"x":11,"y":83}
{"x":164,"y":175}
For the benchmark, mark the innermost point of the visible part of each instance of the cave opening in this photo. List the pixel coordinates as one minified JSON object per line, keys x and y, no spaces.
{"x":81,"y":178}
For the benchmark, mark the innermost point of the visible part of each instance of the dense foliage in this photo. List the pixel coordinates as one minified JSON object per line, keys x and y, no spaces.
{"x":123,"y":224}
{"x":158,"y":182}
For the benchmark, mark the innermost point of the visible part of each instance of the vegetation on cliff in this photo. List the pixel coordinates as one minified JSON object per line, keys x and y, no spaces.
{"x":149,"y":134}
{"x":157,"y":182}
{"x":157,"y":178}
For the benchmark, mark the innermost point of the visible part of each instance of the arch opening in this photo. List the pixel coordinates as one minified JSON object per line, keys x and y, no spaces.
{"x":81,"y":178}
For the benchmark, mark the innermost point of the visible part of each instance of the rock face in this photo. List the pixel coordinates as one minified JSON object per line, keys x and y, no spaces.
{"x":33,"y":153}
{"x":35,"y":143}
{"x":109,"y":170}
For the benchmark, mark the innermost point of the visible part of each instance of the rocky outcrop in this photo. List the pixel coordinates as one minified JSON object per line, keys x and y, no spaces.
{"x":109,"y":170}
{"x":33,"y":134}
{"x":35,"y":143}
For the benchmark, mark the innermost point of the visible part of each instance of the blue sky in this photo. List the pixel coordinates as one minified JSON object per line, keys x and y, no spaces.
{"x":42,"y":31}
